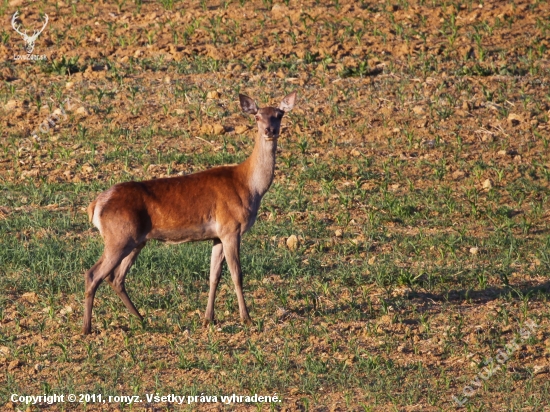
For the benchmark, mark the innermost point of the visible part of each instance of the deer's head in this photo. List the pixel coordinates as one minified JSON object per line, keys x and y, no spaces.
{"x":268,"y":118}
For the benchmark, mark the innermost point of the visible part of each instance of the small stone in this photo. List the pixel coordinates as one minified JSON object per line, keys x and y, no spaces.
{"x":218,"y":129}
{"x":279,"y":10}
{"x":13,"y":365}
{"x":419,"y":110}
{"x":30,"y":296}
{"x":458,"y":174}
{"x":206,"y":129}
{"x":292,"y":242}
{"x":66,"y":310}
{"x":4,"y":351}
{"x":385,"y":320}
{"x":213,"y":95}
{"x":514,"y":119}
{"x":10,"y":105}
{"x":69,"y":85}
{"x":30,"y":173}
{"x":487,"y":184}
{"x":474,"y":250}
{"x":502,"y":152}
{"x":429,"y":143}
{"x":338,"y":233}
{"x":241,"y":129}
{"x":355,"y":153}
{"x":87,"y":169}
{"x":82,"y":111}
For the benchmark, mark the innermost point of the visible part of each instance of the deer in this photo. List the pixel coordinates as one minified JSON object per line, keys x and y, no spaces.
{"x":218,"y":204}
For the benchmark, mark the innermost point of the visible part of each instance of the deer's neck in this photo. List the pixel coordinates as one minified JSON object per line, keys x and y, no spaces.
{"x":260,"y":166}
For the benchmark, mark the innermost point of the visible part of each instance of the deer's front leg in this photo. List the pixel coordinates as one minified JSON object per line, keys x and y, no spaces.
{"x":215,"y":273}
{"x":231,"y":248}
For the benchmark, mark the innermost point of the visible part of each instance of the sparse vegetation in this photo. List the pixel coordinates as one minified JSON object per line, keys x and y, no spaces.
{"x":415,"y":176}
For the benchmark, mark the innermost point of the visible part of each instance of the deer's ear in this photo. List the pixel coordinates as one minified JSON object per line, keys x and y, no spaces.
{"x":288,"y":102}
{"x":247,"y":104}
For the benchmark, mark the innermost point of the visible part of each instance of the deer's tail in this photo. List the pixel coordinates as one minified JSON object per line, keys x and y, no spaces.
{"x":91,"y":208}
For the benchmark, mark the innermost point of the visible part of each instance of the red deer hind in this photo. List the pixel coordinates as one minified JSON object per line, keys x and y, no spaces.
{"x":219,"y":204}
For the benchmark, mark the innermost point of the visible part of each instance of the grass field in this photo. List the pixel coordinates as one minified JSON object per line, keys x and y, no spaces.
{"x":414,"y":172}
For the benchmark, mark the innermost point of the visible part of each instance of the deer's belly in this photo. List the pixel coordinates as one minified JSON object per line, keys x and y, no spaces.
{"x":193,"y":233}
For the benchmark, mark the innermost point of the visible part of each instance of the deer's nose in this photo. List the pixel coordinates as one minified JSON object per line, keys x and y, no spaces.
{"x":271,"y":131}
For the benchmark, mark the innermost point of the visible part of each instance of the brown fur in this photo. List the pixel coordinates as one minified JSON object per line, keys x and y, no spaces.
{"x":218,"y":204}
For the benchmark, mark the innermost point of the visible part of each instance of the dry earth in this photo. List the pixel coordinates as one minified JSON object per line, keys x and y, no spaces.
{"x":414,"y":174}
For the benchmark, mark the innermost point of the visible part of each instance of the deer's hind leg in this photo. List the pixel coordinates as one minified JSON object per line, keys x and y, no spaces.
{"x":118,"y":277}
{"x":103,"y":268}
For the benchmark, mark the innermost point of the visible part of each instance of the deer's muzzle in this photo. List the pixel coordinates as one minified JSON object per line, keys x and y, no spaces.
{"x":271,"y":134}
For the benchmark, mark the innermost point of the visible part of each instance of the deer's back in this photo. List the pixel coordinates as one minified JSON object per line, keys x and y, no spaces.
{"x":177,"y":209}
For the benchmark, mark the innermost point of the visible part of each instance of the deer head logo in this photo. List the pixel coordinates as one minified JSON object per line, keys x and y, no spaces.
{"x":29,"y":40}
